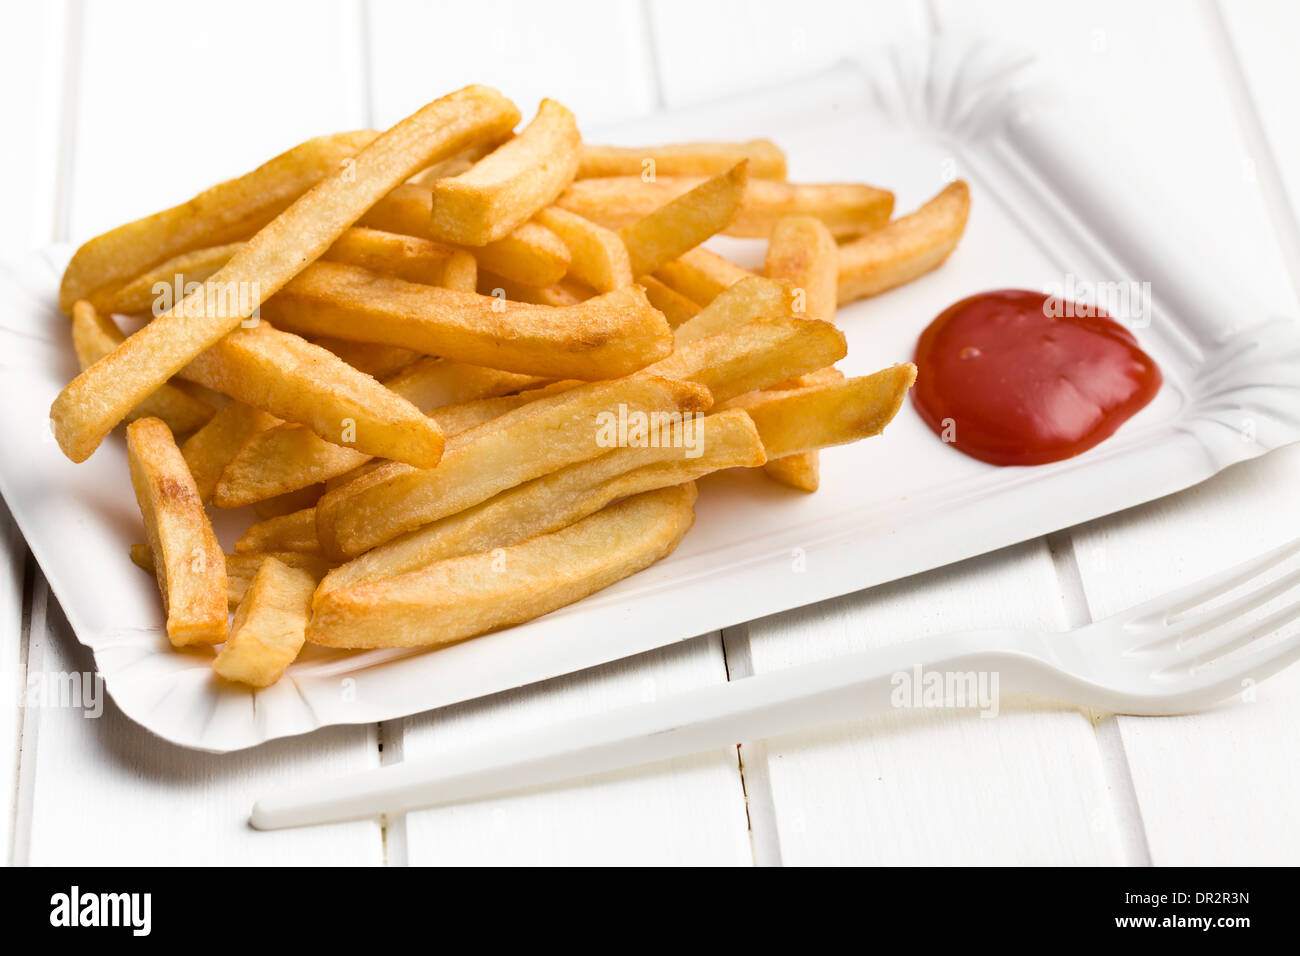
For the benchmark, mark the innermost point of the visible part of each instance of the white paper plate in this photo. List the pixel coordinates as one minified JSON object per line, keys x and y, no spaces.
{"x":1045,"y":209}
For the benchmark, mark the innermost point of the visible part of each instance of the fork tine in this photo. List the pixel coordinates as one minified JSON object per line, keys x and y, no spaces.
{"x":1236,"y":638}
{"x":1158,"y":610}
{"x":1201,"y":621}
{"x":1258,"y":666}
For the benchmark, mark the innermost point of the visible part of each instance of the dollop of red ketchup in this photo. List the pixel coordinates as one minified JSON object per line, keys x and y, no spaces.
{"x":1020,"y":378}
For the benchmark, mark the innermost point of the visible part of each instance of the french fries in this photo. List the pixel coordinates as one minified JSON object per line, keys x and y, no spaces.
{"x":281,"y":459}
{"x":210,"y":449}
{"x":404,"y":256}
{"x":747,"y":300}
{"x":847,"y":209}
{"x":304,"y":383}
{"x":676,"y":308}
{"x":803,"y":252}
{"x":241,"y":568}
{"x":451,"y":600}
{"x":141,"y":293}
{"x":510,"y":185}
{"x":905,"y":249}
{"x":101,"y":396}
{"x":804,"y":419}
{"x":472,"y":376}
{"x":270,"y":625}
{"x":531,"y":254}
{"x":765,"y":158}
{"x":725,"y":440}
{"x":95,"y":335}
{"x":701,"y":275}
{"x":682,"y":223}
{"x":597,"y":256}
{"x":755,"y":355}
{"x":188,"y":563}
{"x":520,"y":445}
{"x":230,"y":211}
{"x":610,"y":335}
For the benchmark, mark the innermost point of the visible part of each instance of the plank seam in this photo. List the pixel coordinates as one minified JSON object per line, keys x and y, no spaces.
{"x":1117,"y":774}
{"x":36,"y":599}
{"x":1268,"y":174}
{"x":652,"y":51}
{"x":75,"y":30}
{"x":752,"y":760}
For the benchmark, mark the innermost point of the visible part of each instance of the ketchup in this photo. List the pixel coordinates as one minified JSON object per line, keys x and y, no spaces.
{"x":1010,"y":380}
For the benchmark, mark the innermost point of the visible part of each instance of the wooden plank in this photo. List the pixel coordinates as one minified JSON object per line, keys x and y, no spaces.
{"x":103,"y":790}
{"x":710,"y":50}
{"x":592,"y":57}
{"x":1209,"y":788}
{"x":680,"y":812}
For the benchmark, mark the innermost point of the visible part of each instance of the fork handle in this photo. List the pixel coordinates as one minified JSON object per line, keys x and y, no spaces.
{"x":793,"y":699}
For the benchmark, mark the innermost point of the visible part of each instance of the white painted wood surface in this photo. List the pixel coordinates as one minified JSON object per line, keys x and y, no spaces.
{"x":1201,"y":95}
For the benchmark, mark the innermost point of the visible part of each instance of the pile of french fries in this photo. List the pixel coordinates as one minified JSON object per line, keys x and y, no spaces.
{"x":398,"y":348}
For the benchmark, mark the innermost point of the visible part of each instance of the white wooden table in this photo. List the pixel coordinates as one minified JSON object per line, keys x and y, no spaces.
{"x":112,"y":110}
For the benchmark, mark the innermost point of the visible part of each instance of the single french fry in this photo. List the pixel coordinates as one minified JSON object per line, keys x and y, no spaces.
{"x":295,"y":531}
{"x":748,"y":300}
{"x":94,"y":335}
{"x":270,"y":626}
{"x":142,"y":294}
{"x":564,"y":293}
{"x":531,"y":254}
{"x":451,"y":600}
{"x":677,"y":309}
{"x":230,"y":211}
{"x":610,"y":335}
{"x":682,"y":223}
{"x":287,"y":502}
{"x":510,"y":185}
{"x":377,"y":361}
{"x":287,"y":457}
{"x":548,"y":503}
{"x":802,"y":471}
{"x":906,"y":248}
{"x":701,"y":275}
{"x":461,"y":272}
{"x":808,"y":418}
{"x":802,"y":251}
{"x":304,"y":383}
{"x":766,"y":160}
{"x":847,"y":209}
{"x":390,"y":253}
{"x":101,"y":396}
{"x":211,"y":448}
{"x":754,"y":355}
{"x":515,"y":447}
{"x":188,"y":563}
{"x":597,"y":256}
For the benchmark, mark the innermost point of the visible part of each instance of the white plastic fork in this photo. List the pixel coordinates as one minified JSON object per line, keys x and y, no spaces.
{"x":1167,"y":656}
